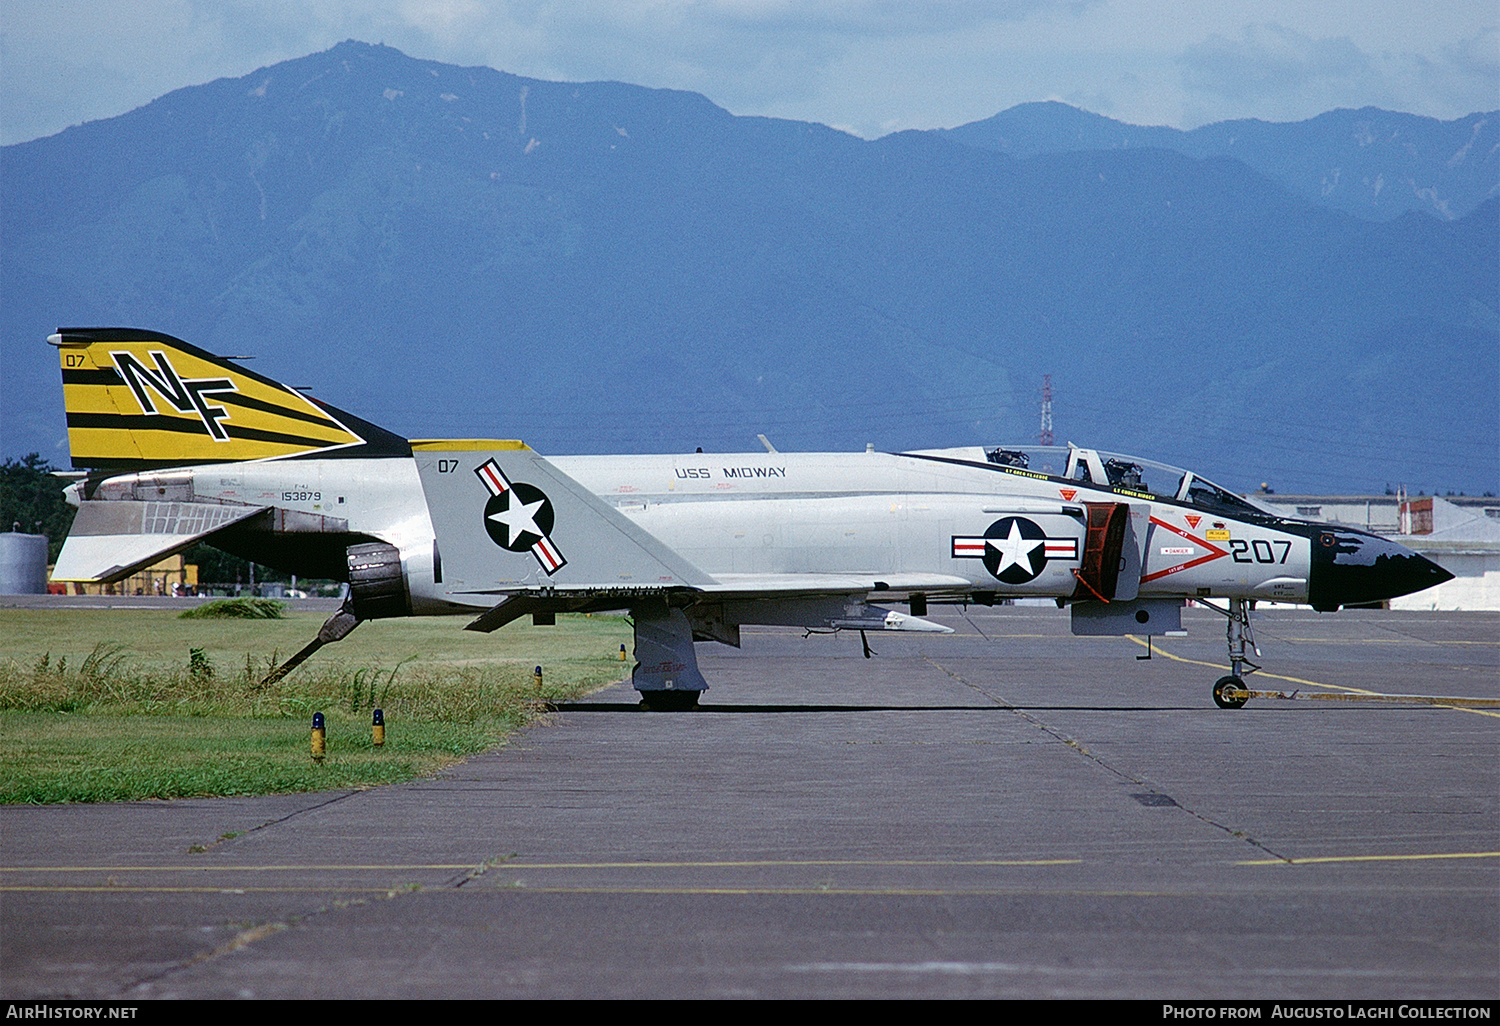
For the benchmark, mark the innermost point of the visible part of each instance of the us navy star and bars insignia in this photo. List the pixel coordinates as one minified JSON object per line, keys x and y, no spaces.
{"x":1015,"y":550}
{"x":519,"y":517}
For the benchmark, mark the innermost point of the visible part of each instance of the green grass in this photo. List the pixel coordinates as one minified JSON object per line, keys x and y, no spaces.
{"x":237,"y":609}
{"x":106,"y":705}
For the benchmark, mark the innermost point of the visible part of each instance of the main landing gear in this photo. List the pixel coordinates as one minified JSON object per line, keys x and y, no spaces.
{"x":666,"y":669}
{"x":1238,"y":635}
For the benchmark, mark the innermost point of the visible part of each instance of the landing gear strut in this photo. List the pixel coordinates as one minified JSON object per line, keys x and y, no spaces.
{"x":1238,"y":634}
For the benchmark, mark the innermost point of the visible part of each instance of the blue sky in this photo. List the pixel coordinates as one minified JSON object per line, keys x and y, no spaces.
{"x":867,"y":66}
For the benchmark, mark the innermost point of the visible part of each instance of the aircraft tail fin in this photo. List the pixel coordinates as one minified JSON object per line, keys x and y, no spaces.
{"x":142,"y":400}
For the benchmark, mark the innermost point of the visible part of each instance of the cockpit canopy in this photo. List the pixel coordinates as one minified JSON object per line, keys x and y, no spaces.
{"x":1129,"y":473}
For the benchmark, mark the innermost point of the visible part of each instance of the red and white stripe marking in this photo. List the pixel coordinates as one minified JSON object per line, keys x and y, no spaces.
{"x":972,"y":548}
{"x":493,"y":477}
{"x":546,"y":554}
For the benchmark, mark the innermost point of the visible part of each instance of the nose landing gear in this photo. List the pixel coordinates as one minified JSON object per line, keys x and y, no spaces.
{"x":1238,"y":635}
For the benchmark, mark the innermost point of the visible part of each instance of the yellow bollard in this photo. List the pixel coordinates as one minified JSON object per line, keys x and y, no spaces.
{"x":622,"y":651}
{"x":377,"y":728}
{"x":319,"y":738}
{"x":536,"y":678}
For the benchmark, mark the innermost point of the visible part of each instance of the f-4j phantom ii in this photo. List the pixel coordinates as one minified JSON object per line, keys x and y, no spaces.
{"x":181,"y":447}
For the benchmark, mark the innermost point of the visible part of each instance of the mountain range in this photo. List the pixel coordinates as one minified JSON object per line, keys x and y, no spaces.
{"x":601,"y":267}
{"x":1372,"y":163}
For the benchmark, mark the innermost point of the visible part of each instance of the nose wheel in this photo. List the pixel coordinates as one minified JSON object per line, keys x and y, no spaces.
{"x":1234,"y":683}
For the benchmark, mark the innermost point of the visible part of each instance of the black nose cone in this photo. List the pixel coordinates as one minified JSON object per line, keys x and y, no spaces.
{"x":1352,"y":568}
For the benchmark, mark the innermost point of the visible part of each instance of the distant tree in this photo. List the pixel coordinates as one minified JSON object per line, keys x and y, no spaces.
{"x":216,"y":566}
{"x":31,"y":497}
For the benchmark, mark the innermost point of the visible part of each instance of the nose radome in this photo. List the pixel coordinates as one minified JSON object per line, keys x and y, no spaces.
{"x":1353,"y":568}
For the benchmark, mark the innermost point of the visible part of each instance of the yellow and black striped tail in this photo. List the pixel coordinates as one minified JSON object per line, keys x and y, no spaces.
{"x":140,"y":400}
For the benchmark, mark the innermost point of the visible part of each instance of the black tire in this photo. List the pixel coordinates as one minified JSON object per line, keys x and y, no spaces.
{"x":1228,"y":703}
{"x":669,"y":701}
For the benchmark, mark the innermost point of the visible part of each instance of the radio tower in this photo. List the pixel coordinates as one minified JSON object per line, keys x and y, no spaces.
{"x":1046,"y":436}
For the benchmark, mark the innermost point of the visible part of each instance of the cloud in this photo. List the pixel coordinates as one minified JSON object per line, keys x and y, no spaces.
{"x":1277,"y":73}
{"x":1271,"y":62}
{"x":1465,"y":75}
{"x":1477,"y":55}
{"x":741,"y":53}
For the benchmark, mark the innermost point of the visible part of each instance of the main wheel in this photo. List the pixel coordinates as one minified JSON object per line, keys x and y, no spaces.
{"x":1228,"y":703}
{"x":669,"y":701}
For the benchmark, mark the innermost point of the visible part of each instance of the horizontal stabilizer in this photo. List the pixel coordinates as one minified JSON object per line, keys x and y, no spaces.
{"x":109,"y":541}
{"x":513,"y":607}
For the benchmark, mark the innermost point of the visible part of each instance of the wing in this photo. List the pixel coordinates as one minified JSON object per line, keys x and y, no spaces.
{"x":750,"y":585}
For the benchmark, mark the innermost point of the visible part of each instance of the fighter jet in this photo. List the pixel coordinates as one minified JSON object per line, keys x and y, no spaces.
{"x":179,"y":446}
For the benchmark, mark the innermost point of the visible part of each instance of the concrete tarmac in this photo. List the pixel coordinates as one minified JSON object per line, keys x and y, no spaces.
{"x":1007,"y":811}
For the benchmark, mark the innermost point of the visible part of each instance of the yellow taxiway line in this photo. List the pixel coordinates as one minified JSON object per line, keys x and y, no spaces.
{"x":1378,"y":696}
